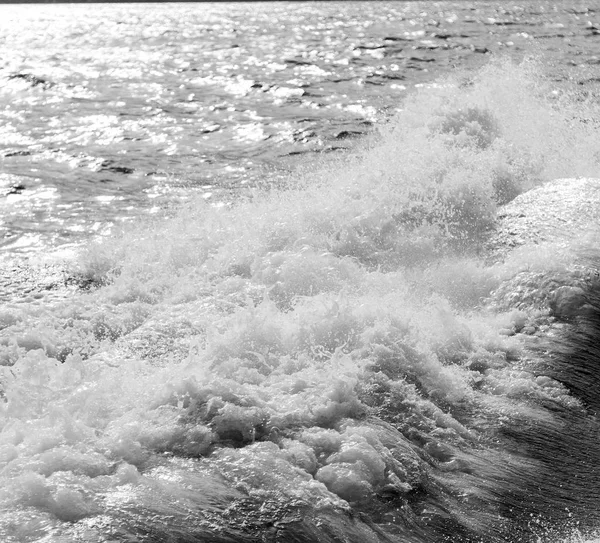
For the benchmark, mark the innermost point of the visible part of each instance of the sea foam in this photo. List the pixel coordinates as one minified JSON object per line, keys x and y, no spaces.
{"x":342,"y":359}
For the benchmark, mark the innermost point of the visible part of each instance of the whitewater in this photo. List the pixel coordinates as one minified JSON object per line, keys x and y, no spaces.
{"x":339,"y":297}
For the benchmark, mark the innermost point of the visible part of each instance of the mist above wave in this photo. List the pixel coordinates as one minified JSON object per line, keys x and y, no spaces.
{"x":273,"y":367}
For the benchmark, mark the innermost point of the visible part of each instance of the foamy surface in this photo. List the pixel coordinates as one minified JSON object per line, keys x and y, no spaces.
{"x":358,"y":354}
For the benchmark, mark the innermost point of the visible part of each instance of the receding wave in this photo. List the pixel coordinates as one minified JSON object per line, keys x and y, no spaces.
{"x":396,"y":347}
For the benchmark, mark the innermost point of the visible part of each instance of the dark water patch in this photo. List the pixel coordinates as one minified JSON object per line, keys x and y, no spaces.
{"x":421,"y":59}
{"x":17,"y":153}
{"x":298,"y":62}
{"x":110,"y":166}
{"x":398,"y":38}
{"x":576,"y":362}
{"x":346,"y":134}
{"x":565,"y":483}
{"x":16,"y":189}
{"x":33,"y":80}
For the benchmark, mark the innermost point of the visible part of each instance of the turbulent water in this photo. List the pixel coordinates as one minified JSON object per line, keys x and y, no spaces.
{"x":112,"y":111}
{"x":300,"y":272}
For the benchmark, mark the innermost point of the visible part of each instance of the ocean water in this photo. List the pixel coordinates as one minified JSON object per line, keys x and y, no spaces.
{"x":124,"y":110}
{"x":300,"y":272}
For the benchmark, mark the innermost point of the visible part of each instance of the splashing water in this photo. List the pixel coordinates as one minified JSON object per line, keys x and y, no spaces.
{"x":355,"y":357}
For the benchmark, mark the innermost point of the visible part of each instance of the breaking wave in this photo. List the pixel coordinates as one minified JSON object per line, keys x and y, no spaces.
{"x":374,"y":353}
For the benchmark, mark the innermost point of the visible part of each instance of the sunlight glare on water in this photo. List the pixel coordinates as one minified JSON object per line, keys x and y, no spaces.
{"x":173,"y":97}
{"x":354,"y":354}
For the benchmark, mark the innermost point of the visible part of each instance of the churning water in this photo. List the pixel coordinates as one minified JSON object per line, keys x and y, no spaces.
{"x":393,"y":342}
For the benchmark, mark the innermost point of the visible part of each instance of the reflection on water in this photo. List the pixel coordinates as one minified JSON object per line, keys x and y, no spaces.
{"x":151,"y":103}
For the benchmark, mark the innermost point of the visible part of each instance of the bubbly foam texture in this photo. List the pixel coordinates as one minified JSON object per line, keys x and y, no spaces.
{"x":313,"y":346}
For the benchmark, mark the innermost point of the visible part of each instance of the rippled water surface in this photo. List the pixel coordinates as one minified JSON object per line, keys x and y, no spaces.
{"x":112,"y":111}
